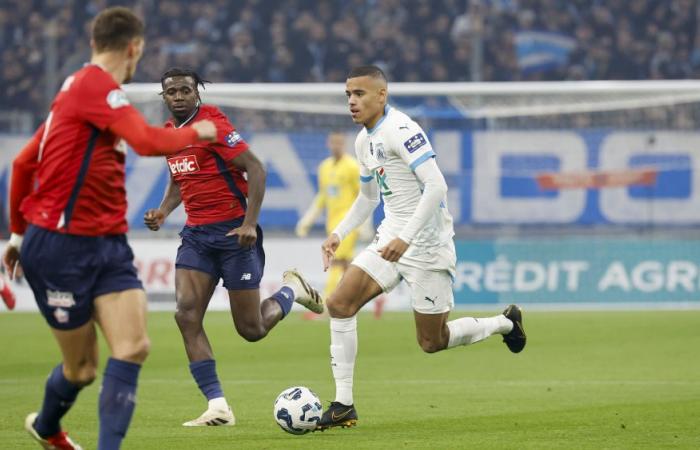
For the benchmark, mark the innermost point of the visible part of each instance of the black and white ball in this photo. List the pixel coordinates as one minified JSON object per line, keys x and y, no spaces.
{"x":297,"y":410}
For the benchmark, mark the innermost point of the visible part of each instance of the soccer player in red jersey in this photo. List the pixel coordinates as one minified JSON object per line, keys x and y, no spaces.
{"x":68,"y":201}
{"x":221,"y":238}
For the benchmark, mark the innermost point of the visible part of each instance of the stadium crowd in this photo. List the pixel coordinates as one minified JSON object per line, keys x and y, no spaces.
{"x":310,"y":40}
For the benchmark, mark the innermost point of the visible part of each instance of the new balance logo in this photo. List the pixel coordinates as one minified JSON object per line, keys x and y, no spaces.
{"x":183,"y":164}
{"x":245,"y":277}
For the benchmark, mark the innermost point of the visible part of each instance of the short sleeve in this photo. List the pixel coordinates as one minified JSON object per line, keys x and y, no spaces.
{"x":229,"y":143}
{"x":412,"y":144}
{"x":101,"y":101}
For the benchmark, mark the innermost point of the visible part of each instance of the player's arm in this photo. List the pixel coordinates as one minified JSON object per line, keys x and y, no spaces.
{"x":434,"y":190}
{"x":24,"y":167}
{"x":154,"y":218}
{"x":248,"y":162}
{"x":154,"y":141}
{"x":363,"y":206}
{"x":315,"y":209}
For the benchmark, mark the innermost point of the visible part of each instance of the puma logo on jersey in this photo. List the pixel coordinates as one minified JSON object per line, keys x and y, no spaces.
{"x":183,"y":164}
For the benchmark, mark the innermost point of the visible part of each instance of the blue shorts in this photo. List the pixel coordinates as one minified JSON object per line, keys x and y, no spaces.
{"x":206,"y":248}
{"x":67,"y":272}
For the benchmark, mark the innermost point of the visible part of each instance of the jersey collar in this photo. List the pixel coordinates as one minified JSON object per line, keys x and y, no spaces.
{"x":387,"y":108}
{"x":189,"y":119}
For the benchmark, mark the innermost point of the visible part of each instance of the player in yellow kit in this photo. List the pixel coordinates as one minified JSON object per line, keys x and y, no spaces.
{"x":338,"y":185}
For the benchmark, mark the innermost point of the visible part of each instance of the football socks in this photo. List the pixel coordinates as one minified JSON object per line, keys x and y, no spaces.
{"x":343,"y":353}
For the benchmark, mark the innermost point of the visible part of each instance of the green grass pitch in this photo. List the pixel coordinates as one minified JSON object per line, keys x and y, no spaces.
{"x":585,"y":380}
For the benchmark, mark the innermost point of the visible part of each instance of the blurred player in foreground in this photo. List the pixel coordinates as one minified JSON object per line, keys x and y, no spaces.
{"x":221,"y":239}
{"x":338,"y":186}
{"x":69,"y":181}
{"x":414,"y":242}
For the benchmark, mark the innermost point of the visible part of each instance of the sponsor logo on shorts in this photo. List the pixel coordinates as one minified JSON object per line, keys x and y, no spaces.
{"x":246,"y":277}
{"x":183,"y":164}
{"x":61,"y":315}
{"x":59,"y":299}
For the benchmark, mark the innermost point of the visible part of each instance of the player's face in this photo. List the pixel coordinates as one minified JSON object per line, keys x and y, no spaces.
{"x":134,"y":52}
{"x":336,"y":144}
{"x":180,"y":95}
{"x":366,"y":99}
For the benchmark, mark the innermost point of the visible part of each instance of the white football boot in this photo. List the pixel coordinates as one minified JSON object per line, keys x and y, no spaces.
{"x":306,"y":296}
{"x":213,"y":418}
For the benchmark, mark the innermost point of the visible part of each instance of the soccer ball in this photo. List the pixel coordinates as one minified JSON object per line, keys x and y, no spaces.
{"x":297,"y":410}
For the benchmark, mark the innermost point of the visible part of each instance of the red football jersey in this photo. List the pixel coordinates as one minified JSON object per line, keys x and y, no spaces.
{"x":212,"y":189}
{"x":80,"y":176}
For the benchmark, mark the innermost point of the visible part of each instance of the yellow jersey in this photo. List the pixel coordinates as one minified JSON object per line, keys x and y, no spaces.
{"x":338,"y":186}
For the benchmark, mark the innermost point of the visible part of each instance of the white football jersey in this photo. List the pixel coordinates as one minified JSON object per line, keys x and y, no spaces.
{"x":389,"y":153}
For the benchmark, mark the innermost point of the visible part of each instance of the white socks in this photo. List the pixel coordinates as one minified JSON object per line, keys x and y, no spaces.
{"x":218,"y":404}
{"x":468,"y":330}
{"x":343,"y":353}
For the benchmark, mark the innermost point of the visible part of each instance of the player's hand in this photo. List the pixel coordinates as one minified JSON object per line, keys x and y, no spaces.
{"x":247,"y":235}
{"x":328,"y":248}
{"x":205,"y":129}
{"x":302,"y":229}
{"x":393,"y":250}
{"x":154,"y":219}
{"x":11,"y":262}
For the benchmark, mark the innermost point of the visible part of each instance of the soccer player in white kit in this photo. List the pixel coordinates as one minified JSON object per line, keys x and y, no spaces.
{"x":413,"y":242}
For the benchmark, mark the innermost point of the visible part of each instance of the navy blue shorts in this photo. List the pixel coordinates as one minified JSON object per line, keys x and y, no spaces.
{"x":66,"y":272}
{"x":206,"y":248}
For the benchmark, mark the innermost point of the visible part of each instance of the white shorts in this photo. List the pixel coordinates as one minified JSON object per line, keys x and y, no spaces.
{"x":429,"y":275}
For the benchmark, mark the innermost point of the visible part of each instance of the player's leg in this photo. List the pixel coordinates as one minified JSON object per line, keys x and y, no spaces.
{"x":122,"y":318}
{"x":242,"y":269}
{"x":196,"y":276}
{"x":120,"y":311}
{"x":355,"y":289}
{"x":60,"y":270}
{"x":77,"y":370}
{"x":254,"y":319}
{"x":432,"y":299}
{"x":193,"y":291}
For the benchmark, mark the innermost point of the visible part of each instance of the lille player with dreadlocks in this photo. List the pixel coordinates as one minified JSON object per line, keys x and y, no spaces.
{"x":221,"y":238}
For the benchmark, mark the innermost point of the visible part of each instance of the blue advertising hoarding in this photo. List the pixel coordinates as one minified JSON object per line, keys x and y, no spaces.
{"x":492,"y":176}
{"x":577,"y":270}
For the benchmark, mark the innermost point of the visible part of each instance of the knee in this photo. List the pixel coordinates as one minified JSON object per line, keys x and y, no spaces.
{"x":83,"y":374}
{"x":431,"y":345}
{"x":251,"y":333}
{"x":185,"y":316}
{"x":136,"y":351}
{"x":339,"y":309}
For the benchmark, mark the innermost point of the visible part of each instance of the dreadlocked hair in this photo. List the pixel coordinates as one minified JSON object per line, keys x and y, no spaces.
{"x":183,"y":72}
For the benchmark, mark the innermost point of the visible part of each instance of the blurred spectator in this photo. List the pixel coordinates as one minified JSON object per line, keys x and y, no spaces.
{"x":309,"y":41}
